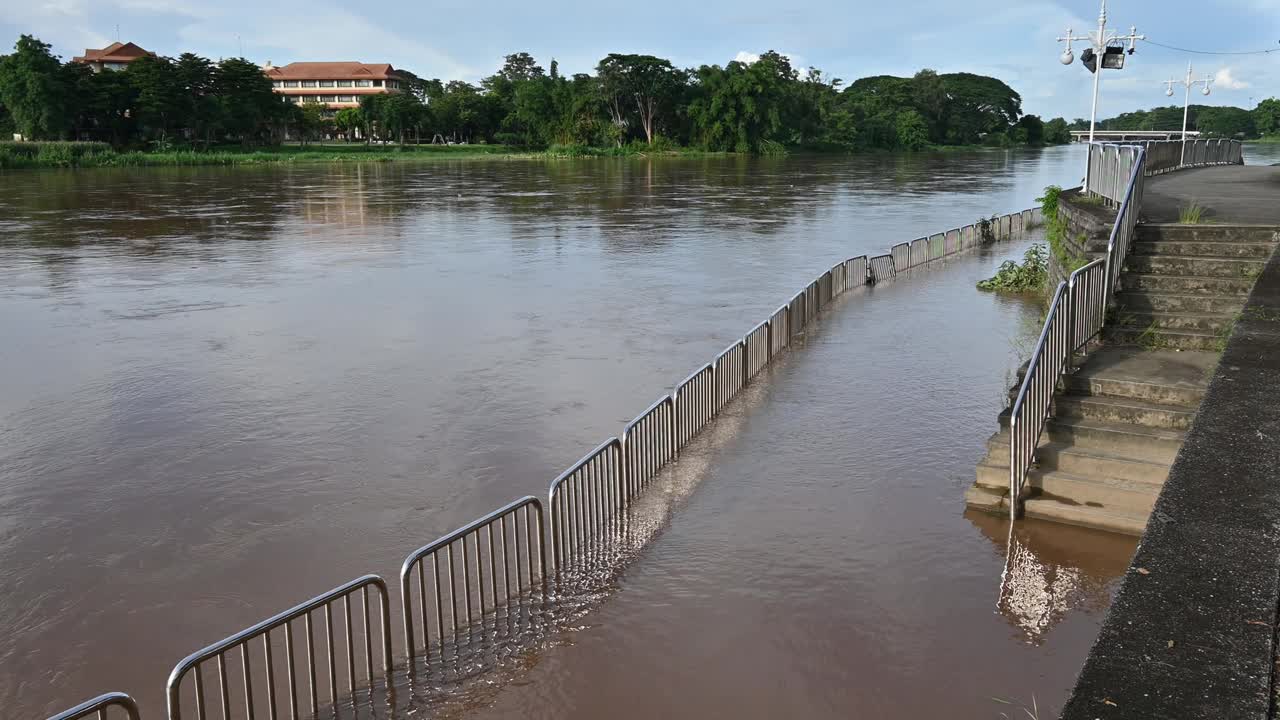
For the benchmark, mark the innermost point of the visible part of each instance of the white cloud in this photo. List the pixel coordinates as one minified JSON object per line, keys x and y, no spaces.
{"x":745,"y":57}
{"x":1224,"y":79}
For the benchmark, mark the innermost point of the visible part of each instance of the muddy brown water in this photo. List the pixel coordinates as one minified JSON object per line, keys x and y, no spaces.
{"x":227,"y":390}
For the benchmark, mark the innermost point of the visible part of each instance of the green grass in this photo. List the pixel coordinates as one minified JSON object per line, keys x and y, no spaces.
{"x":1191,"y":214}
{"x":85,"y":155}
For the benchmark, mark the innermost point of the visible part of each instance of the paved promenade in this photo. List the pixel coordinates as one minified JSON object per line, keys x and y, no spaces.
{"x":1231,"y":194}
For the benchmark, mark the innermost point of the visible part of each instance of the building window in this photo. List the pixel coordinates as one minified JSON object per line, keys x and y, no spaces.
{"x":345,"y":99}
{"x":344,"y":83}
{"x":364,"y":83}
{"x":326,"y":83}
{"x":308,"y":83}
{"x":291,"y":83}
{"x":377,"y":83}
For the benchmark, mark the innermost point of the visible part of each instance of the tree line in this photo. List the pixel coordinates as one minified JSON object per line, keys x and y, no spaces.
{"x":1215,"y":121}
{"x":761,"y":106}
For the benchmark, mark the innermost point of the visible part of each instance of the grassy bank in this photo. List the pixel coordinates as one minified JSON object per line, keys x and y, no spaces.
{"x":87,"y":155}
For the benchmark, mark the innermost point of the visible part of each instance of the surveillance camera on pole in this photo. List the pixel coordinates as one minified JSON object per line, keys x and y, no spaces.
{"x":1110,"y":49}
{"x":1189,"y":82}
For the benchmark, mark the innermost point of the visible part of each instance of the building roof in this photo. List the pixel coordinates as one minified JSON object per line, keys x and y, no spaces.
{"x":331,"y":71}
{"x":115,"y":52}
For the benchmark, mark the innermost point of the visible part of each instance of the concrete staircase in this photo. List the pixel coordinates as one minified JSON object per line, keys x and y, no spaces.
{"x":1106,"y":451}
{"x":1118,"y":421}
{"x":1184,"y":285}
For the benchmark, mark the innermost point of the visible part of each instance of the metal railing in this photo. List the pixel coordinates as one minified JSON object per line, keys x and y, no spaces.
{"x":648,"y":443}
{"x":241,"y":687}
{"x":1077,"y":314}
{"x":99,"y":708}
{"x":455,"y":582}
{"x":1111,"y":165}
{"x":488,"y":566}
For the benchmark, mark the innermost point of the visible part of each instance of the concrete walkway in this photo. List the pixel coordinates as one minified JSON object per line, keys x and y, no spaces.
{"x":1234,"y":194}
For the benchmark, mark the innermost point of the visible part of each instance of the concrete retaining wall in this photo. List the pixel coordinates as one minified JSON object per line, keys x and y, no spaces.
{"x":1091,"y":221}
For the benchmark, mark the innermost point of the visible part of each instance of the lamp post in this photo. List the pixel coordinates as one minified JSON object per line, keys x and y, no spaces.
{"x":1108,"y":47}
{"x":1186,"y":105}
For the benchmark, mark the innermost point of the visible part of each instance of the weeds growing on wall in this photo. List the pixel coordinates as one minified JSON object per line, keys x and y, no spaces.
{"x":1056,"y":232}
{"x":1025,"y":277}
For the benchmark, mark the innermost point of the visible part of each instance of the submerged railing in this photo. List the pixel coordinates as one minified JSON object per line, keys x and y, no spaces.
{"x":488,"y":570}
{"x":101,"y":707}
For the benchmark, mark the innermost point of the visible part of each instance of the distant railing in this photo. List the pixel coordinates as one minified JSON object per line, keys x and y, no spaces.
{"x":1111,"y":165}
{"x":1077,"y":313}
{"x":241,"y":688}
{"x":490,"y":565}
{"x":521,"y":567}
{"x":99,"y":708}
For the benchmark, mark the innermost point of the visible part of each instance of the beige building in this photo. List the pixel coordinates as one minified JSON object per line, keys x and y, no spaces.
{"x":115,"y":56}
{"x":336,"y":85}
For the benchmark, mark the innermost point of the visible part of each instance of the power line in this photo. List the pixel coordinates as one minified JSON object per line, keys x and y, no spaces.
{"x":1211,"y":52}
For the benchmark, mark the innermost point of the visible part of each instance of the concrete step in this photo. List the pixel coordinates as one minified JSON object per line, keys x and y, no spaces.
{"x":1164,"y":339}
{"x":1150,"y":232}
{"x":1259,"y":250}
{"x":992,"y":500}
{"x":1081,"y":383}
{"x":1056,"y":456}
{"x":1124,"y":410}
{"x":1214,"y":323}
{"x":1158,"y":445}
{"x":1133,"y":442}
{"x":1154,"y":301}
{"x":1109,"y":494}
{"x":1188,"y":284}
{"x":1223,"y":267}
{"x":1049,"y":508}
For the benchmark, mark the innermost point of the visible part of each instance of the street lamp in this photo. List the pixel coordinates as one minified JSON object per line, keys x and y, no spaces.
{"x":1186,"y":105}
{"x":1108,"y":47}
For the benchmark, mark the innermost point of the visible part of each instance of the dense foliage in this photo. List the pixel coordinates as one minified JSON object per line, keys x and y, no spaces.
{"x":761,"y":106}
{"x":1210,"y":120}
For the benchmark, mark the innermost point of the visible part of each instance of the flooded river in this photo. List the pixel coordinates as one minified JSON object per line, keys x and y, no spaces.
{"x":226,"y":390}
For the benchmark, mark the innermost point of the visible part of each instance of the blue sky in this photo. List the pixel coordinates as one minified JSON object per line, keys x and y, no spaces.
{"x":1014,"y":41}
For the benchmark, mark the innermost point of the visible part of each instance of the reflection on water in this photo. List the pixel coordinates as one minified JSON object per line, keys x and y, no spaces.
{"x":1051,"y":570}
{"x":225,"y":390}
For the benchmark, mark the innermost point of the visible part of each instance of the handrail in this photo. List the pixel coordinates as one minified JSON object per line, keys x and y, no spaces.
{"x":580,"y":500}
{"x":523,"y":567}
{"x":1077,"y":312}
{"x":99,"y":705}
{"x":284,"y":620}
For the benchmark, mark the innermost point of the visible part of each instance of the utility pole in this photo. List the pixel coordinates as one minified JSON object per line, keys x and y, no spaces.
{"x":1186,"y":104}
{"x":1107,"y":47}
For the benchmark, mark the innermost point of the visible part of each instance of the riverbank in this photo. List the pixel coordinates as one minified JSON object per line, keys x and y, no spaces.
{"x":37,"y":155}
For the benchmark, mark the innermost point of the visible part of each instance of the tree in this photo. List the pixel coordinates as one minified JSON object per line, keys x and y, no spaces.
{"x":161,"y":100}
{"x":247,"y":104}
{"x":348,"y":121}
{"x":1056,"y":132}
{"x":34,"y":90}
{"x":740,"y":107}
{"x":105,"y":104}
{"x":649,"y":83}
{"x":201,"y":111}
{"x":912,"y":130}
{"x":1266,"y":117}
{"x":1031,"y":130}
{"x":309,"y":121}
{"x":978,"y":105}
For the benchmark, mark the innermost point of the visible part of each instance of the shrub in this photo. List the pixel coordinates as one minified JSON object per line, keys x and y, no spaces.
{"x":1030,"y":276}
